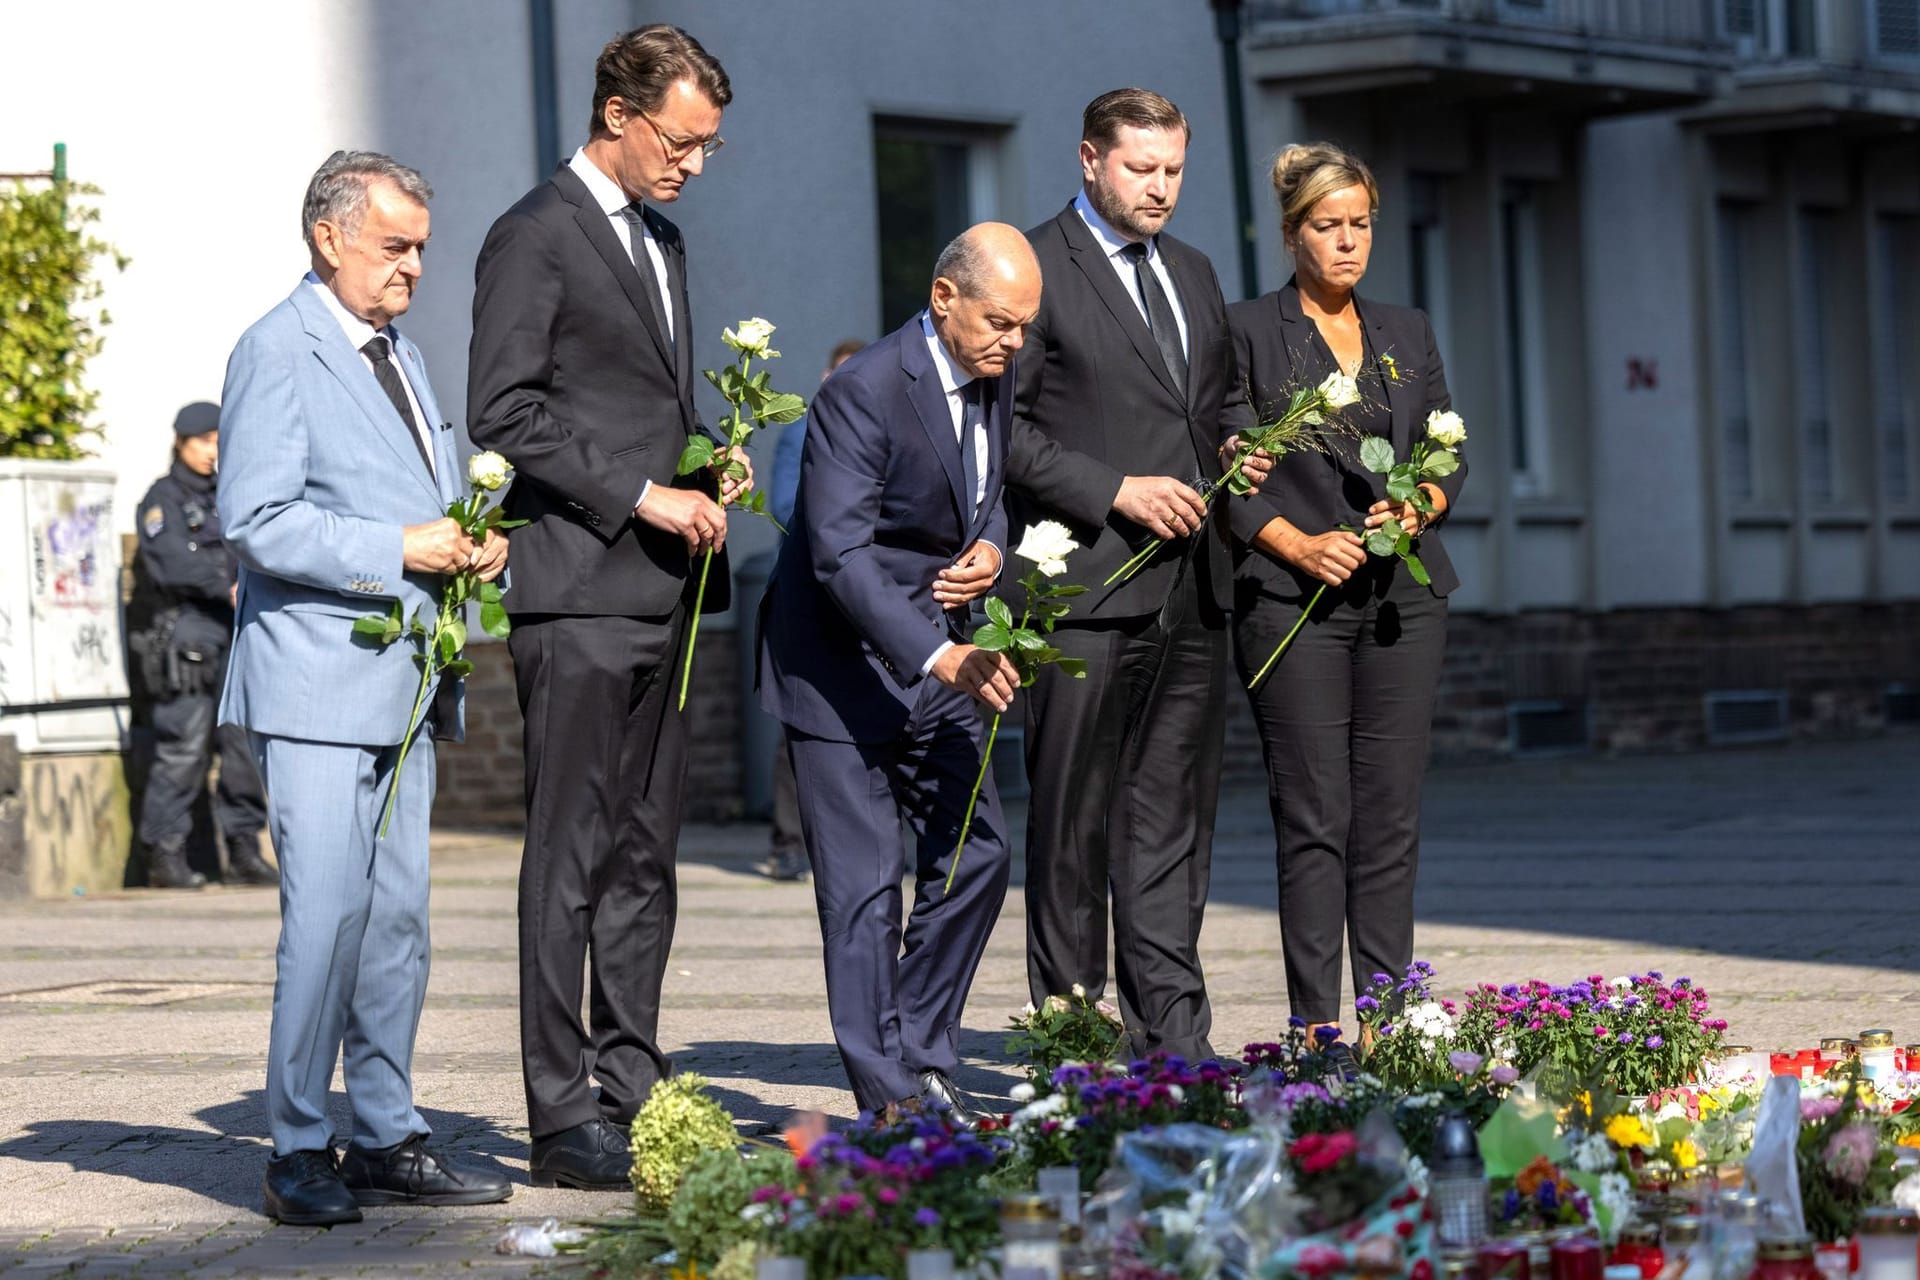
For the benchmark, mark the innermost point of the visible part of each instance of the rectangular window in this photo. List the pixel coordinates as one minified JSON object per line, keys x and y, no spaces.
{"x":1525,"y":340}
{"x":933,"y":180}
{"x":1893,"y":383}
{"x":1736,"y":424}
{"x":1817,"y":229}
{"x":1427,"y":241}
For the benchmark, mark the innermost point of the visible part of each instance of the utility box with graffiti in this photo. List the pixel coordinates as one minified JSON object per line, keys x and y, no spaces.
{"x":63,"y":679}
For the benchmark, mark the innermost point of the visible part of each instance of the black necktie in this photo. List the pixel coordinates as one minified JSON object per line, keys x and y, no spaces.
{"x":643,"y":263}
{"x":380,"y":351}
{"x":973,"y":419}
{"x":1160,"y":318}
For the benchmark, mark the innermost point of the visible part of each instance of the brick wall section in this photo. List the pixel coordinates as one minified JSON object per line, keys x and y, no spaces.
{"x":1642,"y":673}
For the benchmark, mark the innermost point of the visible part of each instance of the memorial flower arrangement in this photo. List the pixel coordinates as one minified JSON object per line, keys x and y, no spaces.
{"x":1076,"y":1117}
{"x":442,"y":646}
{"x":1309,"y":421}
{"x":1064,"y":1029}
{"x":1843,"y":1165}
{"x":751,"y":404}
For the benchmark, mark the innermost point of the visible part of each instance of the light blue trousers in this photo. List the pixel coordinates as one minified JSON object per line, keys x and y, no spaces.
{"x":351,"y":969}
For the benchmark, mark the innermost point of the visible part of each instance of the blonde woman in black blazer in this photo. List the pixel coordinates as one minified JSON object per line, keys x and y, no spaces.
{"x":1345,"y":715}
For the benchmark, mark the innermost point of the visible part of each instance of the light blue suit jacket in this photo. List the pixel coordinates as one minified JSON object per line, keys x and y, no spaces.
{"x":317,"y":477}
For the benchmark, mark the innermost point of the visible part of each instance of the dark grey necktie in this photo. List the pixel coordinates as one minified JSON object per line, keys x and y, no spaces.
{"x":973,"y":420}
{"x":643,"y":263}
{"x":380,"y":351}
{"x":1160,"y":317}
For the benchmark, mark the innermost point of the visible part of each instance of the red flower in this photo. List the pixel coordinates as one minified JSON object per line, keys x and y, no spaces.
{"x":1319,"y":1152}
{"x":1421,"y":1270}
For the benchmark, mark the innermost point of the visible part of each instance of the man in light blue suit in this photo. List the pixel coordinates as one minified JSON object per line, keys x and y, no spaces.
{"x":335,"y":475}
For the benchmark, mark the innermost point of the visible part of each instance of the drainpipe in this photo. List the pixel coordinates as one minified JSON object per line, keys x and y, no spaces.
{"x":546,"y":90}
{"x":1226,"y":17}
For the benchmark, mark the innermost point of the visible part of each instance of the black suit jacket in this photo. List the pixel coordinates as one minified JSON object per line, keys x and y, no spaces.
{"x":1321,"y":491}
{"x":570,"y":378}
{"x":849,"y":617}
{"x":1094,"y":403}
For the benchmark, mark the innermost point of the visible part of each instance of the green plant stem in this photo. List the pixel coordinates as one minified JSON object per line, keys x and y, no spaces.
{"x":1146,"y":553}
{"x":430,"y":663}
{"x":979,"y":779}
{"x":693,"y":630}
{"x":1300,"y":622}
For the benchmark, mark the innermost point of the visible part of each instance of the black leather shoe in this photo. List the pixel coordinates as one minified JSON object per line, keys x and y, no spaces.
{"x":588,"y":1157}
{"x":304,"y":1190}
{"x":244,"y":863}
{"x":410,"y":1173}
{"x":1339,"y":1056}
{"x":167,"y":867}
{"x":941,"y":1092}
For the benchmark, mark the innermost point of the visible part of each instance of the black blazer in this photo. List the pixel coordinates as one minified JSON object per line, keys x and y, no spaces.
{"x":849,"y":617}
{"x":1094,"y":403}
{"x":1317,"y":491}
{"x":570,"y":378}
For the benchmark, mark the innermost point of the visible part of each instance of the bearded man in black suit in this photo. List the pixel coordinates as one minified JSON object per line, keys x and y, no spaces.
{"x":1127,"y":405}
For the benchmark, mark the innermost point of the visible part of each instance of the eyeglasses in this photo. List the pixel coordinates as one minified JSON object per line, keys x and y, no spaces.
{"x":677,"y":149}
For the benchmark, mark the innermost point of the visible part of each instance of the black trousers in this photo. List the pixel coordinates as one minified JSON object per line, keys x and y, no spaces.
{"x":1125,"y":769}
{"x":786,"y":837}
{"x":184,"y":741}
{"x":895,"y":996}
{"x":1345,"y":719}
{"x":606,"y":761}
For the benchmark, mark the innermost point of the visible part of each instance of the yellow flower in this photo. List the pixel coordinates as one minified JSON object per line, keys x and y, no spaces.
{"x":1686,"y":1154}
{"x":1909,"y":1139}
{"x":1629,"y":1131}
{"x":1708,"y":1104}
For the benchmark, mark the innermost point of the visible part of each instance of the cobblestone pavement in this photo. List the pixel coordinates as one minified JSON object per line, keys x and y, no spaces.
{"x":132,"y":1027}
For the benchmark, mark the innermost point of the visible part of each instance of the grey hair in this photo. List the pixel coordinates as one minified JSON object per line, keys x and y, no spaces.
{"x":338,"y":191}
{"x":965,"y":263}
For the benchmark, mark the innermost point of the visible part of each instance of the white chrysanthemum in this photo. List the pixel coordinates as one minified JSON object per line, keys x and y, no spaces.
{"x":1022,"y":1092}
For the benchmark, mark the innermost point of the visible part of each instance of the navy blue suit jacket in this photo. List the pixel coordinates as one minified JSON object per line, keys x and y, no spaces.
{"x":849,"y":616}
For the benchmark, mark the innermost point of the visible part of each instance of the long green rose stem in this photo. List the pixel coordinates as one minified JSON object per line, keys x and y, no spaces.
{"x":1304,"y":615}
{"x":1147,"y":552}
{"x":693,"y":631}
{"x":429,"y":662}
{"x":966,"y":823}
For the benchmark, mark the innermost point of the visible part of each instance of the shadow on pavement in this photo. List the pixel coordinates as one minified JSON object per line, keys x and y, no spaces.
{"x":226,"y":1161}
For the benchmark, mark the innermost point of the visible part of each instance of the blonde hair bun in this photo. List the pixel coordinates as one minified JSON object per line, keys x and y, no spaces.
{"x":1305,"y":173}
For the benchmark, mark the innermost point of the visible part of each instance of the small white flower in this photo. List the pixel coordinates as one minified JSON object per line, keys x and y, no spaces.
{"x":750,"y":337}
{"x":1079,"y":992}
{"x":1048,"y":544}
{"x":488,"y":470}
{"x":1446,"y":428}
{"x":1179,"y":1094}
{"x":1022,"y":1092}
{"x":1340,"y":390}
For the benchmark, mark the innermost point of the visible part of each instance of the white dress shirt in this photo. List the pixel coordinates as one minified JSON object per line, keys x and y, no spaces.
{"x":1113,"y":242}
{"x":954,"y":381}
{"x":359,"y":333}
{"x":613,"y":201}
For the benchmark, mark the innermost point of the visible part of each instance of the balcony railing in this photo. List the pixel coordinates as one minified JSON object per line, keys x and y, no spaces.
{"x":1687,"y":24}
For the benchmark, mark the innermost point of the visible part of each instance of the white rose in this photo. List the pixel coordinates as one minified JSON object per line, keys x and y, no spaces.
{"x":750,"y":337}
{"x":1445,"y":428}
{"x":1340,"y":390}
{"x":488,"y":470}
{"x":1048,"y":544}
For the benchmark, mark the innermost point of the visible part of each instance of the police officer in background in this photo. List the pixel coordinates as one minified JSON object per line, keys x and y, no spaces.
{"x":188,"y":575}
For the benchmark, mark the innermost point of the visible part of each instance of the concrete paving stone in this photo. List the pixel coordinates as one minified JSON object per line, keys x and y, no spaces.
{"x":131,"y":1135}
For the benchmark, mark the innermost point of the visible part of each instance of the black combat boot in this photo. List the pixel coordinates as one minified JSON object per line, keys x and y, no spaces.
{"x":167,"y":866}
{"x":244,"y":863}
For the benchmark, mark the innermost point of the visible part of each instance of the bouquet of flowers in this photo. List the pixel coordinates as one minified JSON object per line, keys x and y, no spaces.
{"x":1090,"y":1105}
{"x":752,"y":403}
{"x":1063,"y":1029}
{"x":442,"y":646}
{"x":1637,"y":1033}
{"x":1842,"y":1166}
